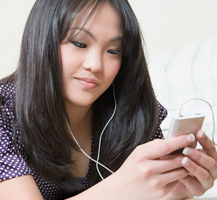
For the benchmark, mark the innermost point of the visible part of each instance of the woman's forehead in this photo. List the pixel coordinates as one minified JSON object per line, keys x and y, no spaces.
{"x":104,"y":14}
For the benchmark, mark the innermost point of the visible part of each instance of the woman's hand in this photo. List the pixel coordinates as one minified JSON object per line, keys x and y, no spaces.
{"x":202,"y":166}
{"x":150,"y":172}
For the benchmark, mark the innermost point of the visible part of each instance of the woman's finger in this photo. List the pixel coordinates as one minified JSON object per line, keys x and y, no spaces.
{"x":165,"y":164}
{"x":193,"y":186}
{"x":173,"y":175}
{"x":202,"y":175}
{"x":207,"y":144}
{"x":159,"y":148}
{"x":203,"y":160}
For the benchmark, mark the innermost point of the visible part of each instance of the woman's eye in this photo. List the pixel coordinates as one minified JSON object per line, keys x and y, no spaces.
{"x":79,"y":44}
{"x":115,"y":52}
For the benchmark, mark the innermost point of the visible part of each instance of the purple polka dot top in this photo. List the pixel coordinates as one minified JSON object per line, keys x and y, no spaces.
{"x":12,"y":163}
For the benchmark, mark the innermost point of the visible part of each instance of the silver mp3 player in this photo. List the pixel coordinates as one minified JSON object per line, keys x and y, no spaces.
{"x":185,"y":123}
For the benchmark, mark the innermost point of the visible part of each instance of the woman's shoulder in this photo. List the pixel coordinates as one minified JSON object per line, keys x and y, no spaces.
{"x":12,"y":164}
{"x":7,"y":97}
{"x":7,"y":115}
{"x":7,"y":93}
{"x":7,"y":90}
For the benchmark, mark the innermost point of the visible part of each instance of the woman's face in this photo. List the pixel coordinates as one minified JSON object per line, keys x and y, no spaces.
{"x":91,"y":57}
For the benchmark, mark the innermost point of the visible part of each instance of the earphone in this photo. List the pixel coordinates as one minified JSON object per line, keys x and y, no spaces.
{"x":100,"y":139}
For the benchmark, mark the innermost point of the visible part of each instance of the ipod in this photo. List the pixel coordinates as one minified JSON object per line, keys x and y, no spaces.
{"x":186,"y":123}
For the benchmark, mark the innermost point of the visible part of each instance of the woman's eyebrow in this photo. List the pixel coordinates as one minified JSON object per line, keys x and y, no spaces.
{"x":86,"y":31}
{"x":119,"y":38}
{"x":116,"y":39}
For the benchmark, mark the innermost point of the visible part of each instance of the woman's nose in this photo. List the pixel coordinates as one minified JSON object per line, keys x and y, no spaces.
{"x":93,"y":61}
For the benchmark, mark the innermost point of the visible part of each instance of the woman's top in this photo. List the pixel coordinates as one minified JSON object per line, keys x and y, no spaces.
{"x":12,"y":163}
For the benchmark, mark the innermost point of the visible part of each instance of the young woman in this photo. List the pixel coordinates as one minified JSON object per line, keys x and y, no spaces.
{"x":79,"y":118}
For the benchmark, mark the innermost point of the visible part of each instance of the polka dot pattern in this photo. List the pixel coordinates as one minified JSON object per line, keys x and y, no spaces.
{"x":162,"y":115}
{"x":12,"y":163}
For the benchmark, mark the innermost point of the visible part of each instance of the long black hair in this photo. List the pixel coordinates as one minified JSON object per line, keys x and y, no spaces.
{"x":40,"y":111}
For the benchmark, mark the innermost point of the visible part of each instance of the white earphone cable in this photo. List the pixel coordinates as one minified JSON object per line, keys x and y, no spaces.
{"x":98,"y":163}
{"x":100,"y":140}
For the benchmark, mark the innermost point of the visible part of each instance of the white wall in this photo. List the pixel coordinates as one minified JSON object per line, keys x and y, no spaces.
{"x":13,"y":15}
{"x":166,"y":24}
{"x":170,"y":24}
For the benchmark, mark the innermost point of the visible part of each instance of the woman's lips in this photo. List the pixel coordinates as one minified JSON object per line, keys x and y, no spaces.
{"x":87,"y":83}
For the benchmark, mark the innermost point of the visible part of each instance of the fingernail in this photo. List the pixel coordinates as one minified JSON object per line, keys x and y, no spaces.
{"x":187,"y":151}
{"x":201,"y":134}
{"x":185,"y":161}
{"x":191,"y":138}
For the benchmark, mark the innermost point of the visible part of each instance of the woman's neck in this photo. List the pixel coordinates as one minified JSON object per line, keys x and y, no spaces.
{"x":80,"y":121}
{"x":81,"y":127}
